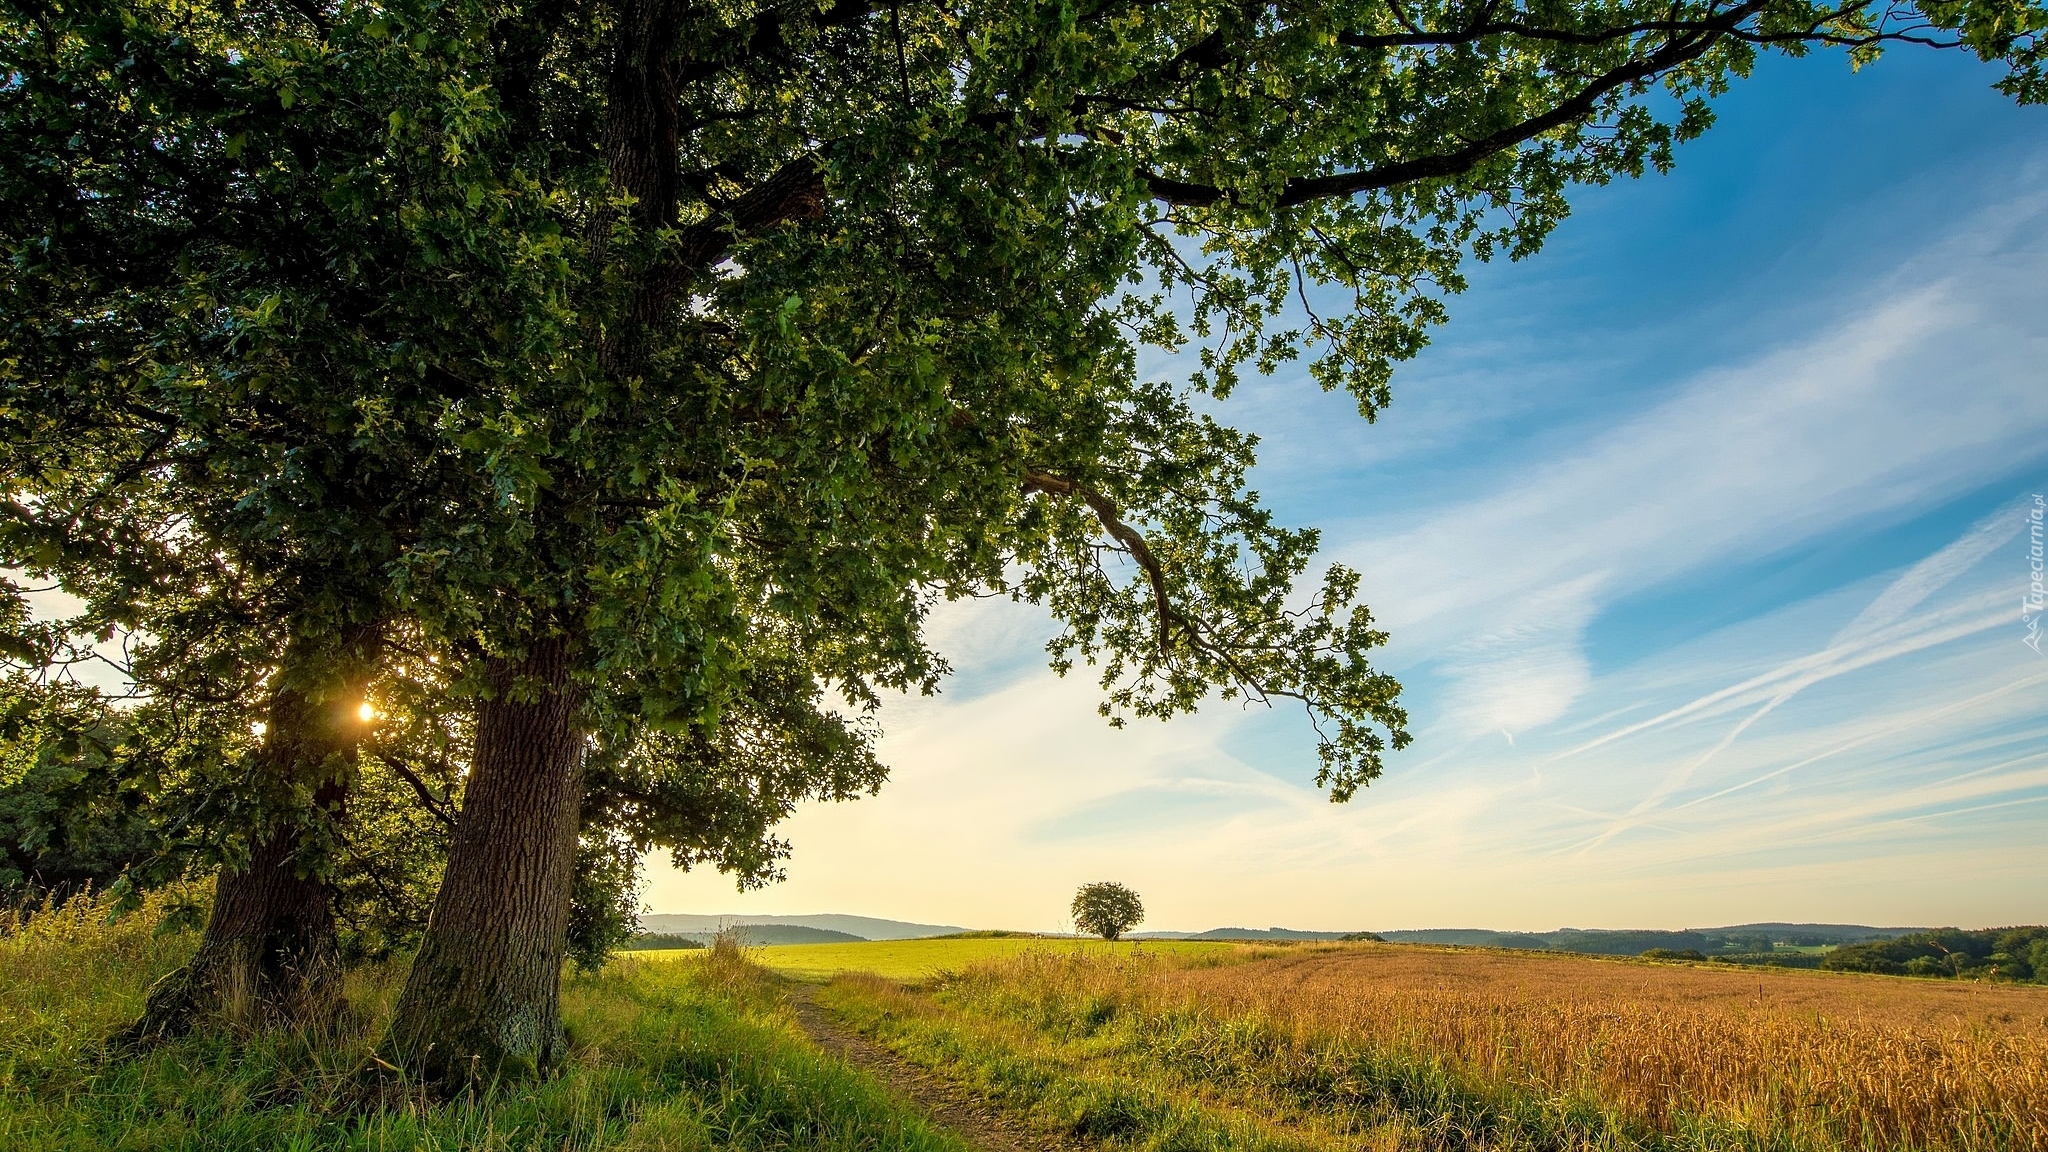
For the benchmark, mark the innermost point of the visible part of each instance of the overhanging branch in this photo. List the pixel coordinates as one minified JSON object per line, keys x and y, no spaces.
{"x":796,"y":191}
{"x":1201,"y":636}
{"x":1679,"y":49}
{"x":434,"y":805}
{"x":1112,"y":521}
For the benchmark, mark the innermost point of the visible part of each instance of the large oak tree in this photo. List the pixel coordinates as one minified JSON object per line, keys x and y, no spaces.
{"x":637,"y":354}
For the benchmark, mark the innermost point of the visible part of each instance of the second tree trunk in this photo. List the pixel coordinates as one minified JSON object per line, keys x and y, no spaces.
{"x":484,"y":997}
{"x":268,"y":954}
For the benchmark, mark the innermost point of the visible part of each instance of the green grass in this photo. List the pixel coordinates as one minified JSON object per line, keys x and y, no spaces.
{"x":1069,"y":1094}
{"x":922,"y":959}
{"x":666,"y":1058}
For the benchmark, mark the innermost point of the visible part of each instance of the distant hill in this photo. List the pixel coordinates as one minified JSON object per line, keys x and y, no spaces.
{"x":1762,"y":938}
{"x":1240,"y":934}
{"x":1519,"y":940}
{"x":1468,"y":936}
{"x":1821,"y":933}
{"x":1738,"y":938}
{"x":846,"y":927}
{"x":762,"y":935}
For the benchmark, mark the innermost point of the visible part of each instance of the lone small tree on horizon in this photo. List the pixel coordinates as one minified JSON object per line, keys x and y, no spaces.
{"x":1107,"y":909}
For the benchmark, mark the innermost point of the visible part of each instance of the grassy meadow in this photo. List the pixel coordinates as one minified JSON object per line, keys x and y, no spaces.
{"x":667,"y":1058}
{"x":1153,"y":1047}
{"x":1400,"y":1047}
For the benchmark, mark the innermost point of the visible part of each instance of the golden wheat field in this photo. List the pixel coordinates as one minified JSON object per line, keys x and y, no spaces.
{"x":1777,"y":992}
{"x":1797,"y":1059}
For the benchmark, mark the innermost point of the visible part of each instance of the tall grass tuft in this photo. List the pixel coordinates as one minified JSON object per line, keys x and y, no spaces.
{"x":75,"y":972}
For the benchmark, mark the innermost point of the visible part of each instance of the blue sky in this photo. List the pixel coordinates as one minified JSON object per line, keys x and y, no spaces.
{"x":1702,"y":539}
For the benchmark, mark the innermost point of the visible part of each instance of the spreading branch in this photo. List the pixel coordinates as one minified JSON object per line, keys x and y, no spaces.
{"x":796,"y":191}
{"x":1112,"y":522}
{"x":1679,"y":49}
{"x":434,"y":805}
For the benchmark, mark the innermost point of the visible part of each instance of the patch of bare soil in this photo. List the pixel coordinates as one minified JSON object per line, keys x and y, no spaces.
{"x":967,"y":1116}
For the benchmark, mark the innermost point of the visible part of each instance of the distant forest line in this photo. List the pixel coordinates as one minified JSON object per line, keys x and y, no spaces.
{"x":2018,"y":953}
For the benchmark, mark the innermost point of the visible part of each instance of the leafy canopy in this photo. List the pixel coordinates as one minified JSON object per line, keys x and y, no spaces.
{"x":1107,"y":909}
{"x":724,"y":338}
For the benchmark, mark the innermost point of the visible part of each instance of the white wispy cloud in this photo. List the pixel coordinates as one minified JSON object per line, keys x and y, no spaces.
{"x":1900,"y":406}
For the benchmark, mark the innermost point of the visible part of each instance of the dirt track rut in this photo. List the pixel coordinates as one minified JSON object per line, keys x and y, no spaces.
{"x":967,"y":1117}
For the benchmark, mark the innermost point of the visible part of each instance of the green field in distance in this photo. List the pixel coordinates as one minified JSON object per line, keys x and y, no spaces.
{"x":916,"y":959}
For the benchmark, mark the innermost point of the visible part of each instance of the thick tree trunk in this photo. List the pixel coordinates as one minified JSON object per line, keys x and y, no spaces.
{"x":268,"y":954}
{"x":484,"y":997}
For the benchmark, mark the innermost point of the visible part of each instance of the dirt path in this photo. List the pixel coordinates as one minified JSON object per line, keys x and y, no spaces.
{"x":969,"y":1118}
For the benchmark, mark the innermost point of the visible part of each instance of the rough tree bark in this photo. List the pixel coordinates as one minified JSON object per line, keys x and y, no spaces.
{"x":268,"y":954}
{"x":484,"y":997}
